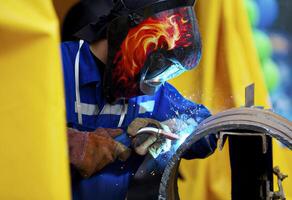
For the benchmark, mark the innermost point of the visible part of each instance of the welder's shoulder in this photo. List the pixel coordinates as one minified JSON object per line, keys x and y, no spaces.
{"x":68,"y":49}
{"x":69,"y":45}
{"x":68,"y":52}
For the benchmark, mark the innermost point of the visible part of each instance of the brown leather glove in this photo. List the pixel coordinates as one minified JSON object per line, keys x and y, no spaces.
{"x":91,"y":151}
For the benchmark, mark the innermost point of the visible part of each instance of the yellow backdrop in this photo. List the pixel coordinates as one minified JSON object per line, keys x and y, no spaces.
{"x":33,"y":151}
{"x":229,"y":64}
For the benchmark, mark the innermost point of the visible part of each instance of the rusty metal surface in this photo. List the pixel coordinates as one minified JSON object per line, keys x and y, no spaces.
{"x":239,"y":119}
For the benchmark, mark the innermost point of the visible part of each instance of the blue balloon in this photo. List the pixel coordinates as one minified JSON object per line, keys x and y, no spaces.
{"x":269,"y":10}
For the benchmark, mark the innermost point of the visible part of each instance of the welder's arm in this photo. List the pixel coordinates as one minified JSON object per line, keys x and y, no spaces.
{"x":207,"y":145}
{"x":203,"y":148}
{"x":89,"y":152}
{"x":174,"y":106}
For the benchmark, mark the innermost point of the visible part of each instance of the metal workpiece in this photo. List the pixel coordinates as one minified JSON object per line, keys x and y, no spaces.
{"x":245,"y":120}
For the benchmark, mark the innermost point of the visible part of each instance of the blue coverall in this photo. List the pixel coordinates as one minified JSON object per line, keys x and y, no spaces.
{"x":112,"y":182}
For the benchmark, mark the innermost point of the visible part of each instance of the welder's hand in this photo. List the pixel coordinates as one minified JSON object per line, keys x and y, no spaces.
{"x":148,"y":142}
{"x":91,"y":151}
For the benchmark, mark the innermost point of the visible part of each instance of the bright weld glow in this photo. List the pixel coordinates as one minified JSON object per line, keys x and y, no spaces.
{"x":188,"y":128}
{"x":184,"y":134}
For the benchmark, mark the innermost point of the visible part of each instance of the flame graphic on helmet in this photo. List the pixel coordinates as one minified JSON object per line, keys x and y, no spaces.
{"x":166,"y":30}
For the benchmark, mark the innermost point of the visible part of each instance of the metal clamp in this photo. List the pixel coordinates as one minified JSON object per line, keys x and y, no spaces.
{"x":278,"y":194}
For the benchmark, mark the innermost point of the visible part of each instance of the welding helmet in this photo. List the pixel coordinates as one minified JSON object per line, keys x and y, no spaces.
{"x":149,"y":42}
{"x":149,"y":46}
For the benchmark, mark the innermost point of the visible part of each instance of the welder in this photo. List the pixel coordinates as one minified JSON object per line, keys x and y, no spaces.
{"x":116,"y":84}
